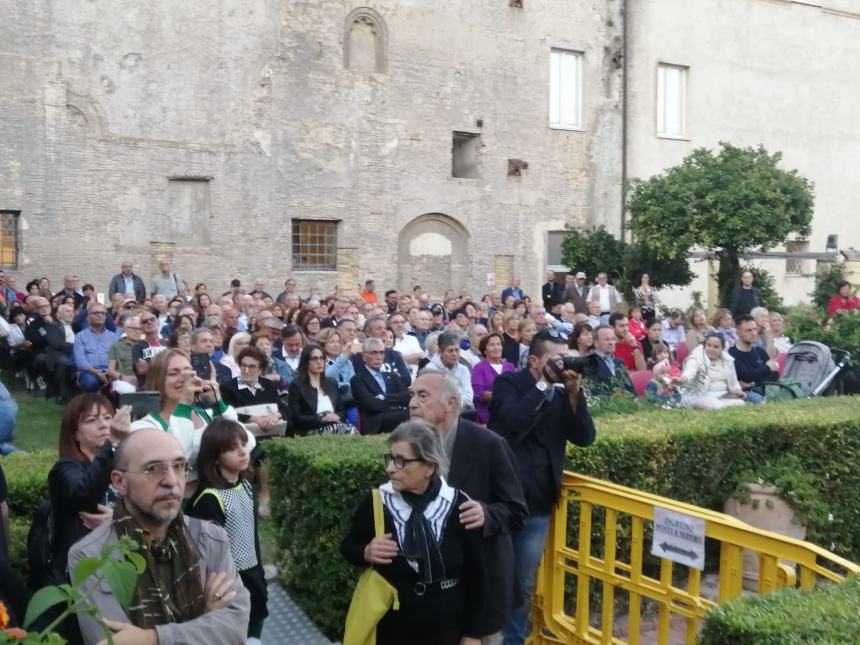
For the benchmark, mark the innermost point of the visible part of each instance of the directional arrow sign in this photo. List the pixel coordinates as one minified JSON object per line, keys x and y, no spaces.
{"x":679,"y":537}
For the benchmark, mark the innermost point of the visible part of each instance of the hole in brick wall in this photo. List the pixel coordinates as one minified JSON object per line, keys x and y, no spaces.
{"x":516,"y":3}
{"x":465,"y":154}
{"x":516,"y":167}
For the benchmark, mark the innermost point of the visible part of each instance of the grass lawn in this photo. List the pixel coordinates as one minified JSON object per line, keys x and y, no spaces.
{"x":38,"y":424}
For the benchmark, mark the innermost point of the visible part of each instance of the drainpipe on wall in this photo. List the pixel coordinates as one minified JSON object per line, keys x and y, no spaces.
{"x":624,"y":57}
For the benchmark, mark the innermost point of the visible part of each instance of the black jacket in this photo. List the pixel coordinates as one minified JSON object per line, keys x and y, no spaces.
{"x":57,"y":348}
{"x":551,"y":293}
{"x":392,"y":362}
{"x":76,"y":486}
{"x":303,"y":404}
{"x":484,"y":467}
{"x":600,"y":379}
{"x":117,"y":285}
{"x":535,"y":426}
{"x":379,"y":412}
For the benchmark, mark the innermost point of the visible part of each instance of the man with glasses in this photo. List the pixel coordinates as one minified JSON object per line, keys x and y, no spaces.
{"x":148,"y":347}
{"x":92,"y":345}
{"x":406,"y":344}
{"x":211,"y":605}
{"x":120,"y":362}
{"x":127,"y":282}
{"x":538,"y":410}
{"x":381,"y":396}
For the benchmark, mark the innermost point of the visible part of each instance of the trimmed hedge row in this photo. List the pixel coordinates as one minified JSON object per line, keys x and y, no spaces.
{"x":691,"y":456}
{"x":826,"y":616}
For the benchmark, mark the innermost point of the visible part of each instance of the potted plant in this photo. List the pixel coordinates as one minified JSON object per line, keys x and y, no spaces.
{"x":779,"y":496}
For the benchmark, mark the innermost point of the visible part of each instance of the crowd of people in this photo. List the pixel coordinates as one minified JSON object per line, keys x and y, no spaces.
{"x":466,"y":511}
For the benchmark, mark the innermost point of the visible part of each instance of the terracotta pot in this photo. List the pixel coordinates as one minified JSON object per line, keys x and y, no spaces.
{"x":767,"y":511}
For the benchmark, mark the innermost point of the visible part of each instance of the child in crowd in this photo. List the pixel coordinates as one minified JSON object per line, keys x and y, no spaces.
{"x":659,"y":352}
{"x":723,"y":323}
{"x":662,"y":390}
{"x":636,"y":324}
{"x":224,"y":496}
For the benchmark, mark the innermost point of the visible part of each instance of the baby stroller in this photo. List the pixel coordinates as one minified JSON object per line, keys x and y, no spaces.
{"x":812,"y":367}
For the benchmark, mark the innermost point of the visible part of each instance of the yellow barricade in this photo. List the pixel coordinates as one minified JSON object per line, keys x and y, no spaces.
{"x":558,"y":617}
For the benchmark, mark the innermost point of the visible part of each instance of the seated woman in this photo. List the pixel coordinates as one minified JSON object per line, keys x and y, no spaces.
{"x":436,"y":565}
{"x":339,"y":368}
{"x":636,"y":323}
{"x":270,"y":371}
{"x":699,"y":327}
{"x":843,"y":300}
{"x":723,"y":323}
{"x":654,"y":329}
{"x":486,"y":371}
{"x":581,"y":341}
{"x":709,"y":381}
{"x":781,"y":342}
{"x":188,"y":405}
{"x":315,"y":403}
{"x":228,"y":367}
{"x":256,"y":399}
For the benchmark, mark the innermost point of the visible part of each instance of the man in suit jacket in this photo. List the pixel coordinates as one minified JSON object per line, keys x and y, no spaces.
{"x":482,"y":465}
{"x":381,"y":397}
{"x":576,"y":291}
{"x":60,"y":340}
{"x":392,"y":361}
{"x":538,"y":410}
{"x":551,"y":292}
{"x":127,"y":281}
{"x":606,"y":371}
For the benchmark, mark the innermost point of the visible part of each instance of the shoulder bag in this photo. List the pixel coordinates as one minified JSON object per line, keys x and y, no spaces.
{"x":373,"y":596}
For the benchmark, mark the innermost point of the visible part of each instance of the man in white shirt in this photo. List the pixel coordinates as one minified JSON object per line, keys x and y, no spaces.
{"x":448,"y":359}
{"x":606,"y":295}
{"x":673,"y":330}
{"x":404,"y":343}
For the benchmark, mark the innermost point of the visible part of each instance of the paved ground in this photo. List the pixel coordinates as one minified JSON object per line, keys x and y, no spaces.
{"x":287,"y":623}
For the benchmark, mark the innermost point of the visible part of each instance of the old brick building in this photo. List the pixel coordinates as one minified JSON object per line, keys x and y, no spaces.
{"x":321,"y":139}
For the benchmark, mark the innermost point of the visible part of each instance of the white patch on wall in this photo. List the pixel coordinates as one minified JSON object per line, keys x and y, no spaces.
{"x":430,"y":244}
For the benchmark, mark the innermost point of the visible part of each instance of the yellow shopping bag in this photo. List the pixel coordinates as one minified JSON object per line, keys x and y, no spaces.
{"x":373,"y":596}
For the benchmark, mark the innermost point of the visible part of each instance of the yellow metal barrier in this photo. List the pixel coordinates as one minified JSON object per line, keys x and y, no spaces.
{"x":559,"y":619}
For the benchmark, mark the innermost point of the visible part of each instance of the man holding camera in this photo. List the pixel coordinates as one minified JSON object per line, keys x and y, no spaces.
{"x":538,"y":410}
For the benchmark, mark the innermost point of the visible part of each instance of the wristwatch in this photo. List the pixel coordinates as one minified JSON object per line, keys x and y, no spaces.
{"x":542,"y":386}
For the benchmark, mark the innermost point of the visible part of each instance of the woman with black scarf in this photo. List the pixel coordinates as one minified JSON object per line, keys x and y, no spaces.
{"x":436,"y":565}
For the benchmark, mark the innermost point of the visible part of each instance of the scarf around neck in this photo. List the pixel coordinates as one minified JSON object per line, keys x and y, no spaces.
{"x":420,"y":521}
{"x":157,"y":601}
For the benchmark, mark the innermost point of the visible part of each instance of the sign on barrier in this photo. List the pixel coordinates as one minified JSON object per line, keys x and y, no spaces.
{"x":679,"y":537}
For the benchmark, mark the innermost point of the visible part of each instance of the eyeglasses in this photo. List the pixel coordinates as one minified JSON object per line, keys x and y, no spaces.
{"x":399,"y":462}
{"x":316,"y":357}
{"x":145,"y":321}
{"x":377,"y":352}
{"x":159,"y":469}
{"x":98,"y":313}
{"x":249,"y":366}
{"x":129,"y":327}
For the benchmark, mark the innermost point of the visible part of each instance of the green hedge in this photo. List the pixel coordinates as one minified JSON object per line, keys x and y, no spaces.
{"x":826,"y":616}
{"x":695,"y":457}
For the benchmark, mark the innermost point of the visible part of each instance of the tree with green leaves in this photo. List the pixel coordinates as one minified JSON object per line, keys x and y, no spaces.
{"x":598,"y":250}
{"x":729,"y":203}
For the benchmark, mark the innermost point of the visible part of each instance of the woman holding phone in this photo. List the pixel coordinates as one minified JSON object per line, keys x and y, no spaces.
{"x":188,"y":405}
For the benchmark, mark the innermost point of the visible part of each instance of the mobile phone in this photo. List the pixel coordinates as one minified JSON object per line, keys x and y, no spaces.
{"x":202,"y":365}
{"x":142,"y":403}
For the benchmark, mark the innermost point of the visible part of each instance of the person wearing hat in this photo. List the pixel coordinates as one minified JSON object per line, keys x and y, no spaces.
{"x":438,"y":312}
{"x":576,"y":291}
{"x":127,"y":282}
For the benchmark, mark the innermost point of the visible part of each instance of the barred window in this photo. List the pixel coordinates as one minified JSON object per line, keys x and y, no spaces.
{"x":9,"y":239}
{"x":315,"y":244}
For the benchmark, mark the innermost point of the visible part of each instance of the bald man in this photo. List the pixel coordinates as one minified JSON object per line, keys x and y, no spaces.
{"x":209,"y":606}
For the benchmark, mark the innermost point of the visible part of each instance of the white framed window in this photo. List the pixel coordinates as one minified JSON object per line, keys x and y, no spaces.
{"x":672,"y":100}
{"x":565,"y":89}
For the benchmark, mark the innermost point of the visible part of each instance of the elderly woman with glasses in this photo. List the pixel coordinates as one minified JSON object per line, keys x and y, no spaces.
{"x":255,"y":397}
{"x":434,"y":562}
{"x":316,"y":404}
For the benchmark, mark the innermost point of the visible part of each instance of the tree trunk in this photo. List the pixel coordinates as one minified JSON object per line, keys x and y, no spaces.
{"x":727,"y":276}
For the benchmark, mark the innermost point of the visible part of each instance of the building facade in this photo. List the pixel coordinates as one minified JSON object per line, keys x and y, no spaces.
{"x":406,"y":141}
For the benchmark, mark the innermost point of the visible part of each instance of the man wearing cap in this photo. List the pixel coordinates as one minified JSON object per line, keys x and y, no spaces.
{"x":552,"y":291}
{"x":576,"y":291}
{"x":127,"y":282}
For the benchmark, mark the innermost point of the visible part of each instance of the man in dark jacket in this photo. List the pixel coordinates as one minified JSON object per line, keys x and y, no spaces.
{"x":126,"y":281}
{"x":538,"y":410}
{"x":380,"y":395}
{"x":482,"y":465}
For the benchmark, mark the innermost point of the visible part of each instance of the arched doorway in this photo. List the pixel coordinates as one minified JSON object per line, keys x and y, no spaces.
{"x":433,"y":252}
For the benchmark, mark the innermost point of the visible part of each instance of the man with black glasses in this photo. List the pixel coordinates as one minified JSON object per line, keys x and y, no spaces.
{"x":190,"y":591}
{"x":538,"y":410}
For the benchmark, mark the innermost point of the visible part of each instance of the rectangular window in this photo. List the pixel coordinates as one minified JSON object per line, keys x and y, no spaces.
{"x":465,"y":154}
{"x":796,"y":266}
{"x":315,"y":244}
{"x":565,"y":89}
{"x":9,"y":239}
{"x":554,"y":240}
{"x":671,"y":100}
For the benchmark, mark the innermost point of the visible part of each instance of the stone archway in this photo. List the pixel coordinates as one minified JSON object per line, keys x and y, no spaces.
{"x":433,"y":251}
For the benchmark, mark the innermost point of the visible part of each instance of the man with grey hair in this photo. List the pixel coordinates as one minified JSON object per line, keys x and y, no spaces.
{"x":380,"y":396}
{"x":472,"y":355}
{"x":392,"y":361}
{"x":167,"y":283}
{"x":482,"y":465}
{"x":447,"y":359}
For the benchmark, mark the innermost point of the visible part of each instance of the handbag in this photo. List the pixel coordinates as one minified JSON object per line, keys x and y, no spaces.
{"x":373,"y":597}
{"x":339,"y":428}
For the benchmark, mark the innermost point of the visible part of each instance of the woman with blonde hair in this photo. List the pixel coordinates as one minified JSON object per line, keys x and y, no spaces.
{"x":699,"y":328}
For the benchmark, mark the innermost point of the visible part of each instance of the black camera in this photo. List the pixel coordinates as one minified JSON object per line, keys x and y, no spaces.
{"x":577,"y":364}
